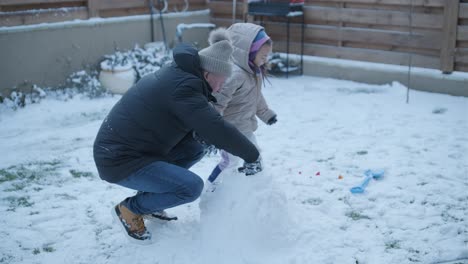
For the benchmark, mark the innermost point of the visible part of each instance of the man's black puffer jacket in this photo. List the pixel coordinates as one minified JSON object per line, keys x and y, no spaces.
{"x":158,"y":112}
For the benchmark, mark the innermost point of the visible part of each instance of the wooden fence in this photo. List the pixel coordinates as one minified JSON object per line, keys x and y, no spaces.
{"x":423,"y":33}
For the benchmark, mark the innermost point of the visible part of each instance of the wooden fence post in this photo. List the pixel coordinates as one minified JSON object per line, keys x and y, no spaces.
{"x":246,"y":17}
{"x":449,"y":36}
{"x":93,"y":8}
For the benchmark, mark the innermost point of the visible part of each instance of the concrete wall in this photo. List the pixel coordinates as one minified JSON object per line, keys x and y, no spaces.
{"x":46,"y":54}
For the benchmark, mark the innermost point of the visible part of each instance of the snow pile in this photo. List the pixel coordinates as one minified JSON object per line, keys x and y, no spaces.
{"x":143,"y":60}
{"x":251,"y":212}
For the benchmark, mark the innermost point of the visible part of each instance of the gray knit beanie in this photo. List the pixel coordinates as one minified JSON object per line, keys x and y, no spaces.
{"x":216,"y":58}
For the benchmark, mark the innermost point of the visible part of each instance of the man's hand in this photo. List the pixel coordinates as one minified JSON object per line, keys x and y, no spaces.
{"x":251,"y":168}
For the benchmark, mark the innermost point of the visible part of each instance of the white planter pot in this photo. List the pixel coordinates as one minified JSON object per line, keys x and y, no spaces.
{"x":117,"y":80}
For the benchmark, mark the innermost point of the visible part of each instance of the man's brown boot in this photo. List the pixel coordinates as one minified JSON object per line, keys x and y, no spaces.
{"x":132,"y":223}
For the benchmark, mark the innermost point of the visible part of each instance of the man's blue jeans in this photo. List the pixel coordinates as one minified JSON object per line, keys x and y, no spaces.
{"x":162,"y":185}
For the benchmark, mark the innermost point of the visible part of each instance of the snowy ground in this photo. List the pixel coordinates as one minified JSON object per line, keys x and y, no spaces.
{"x":57,"y":210}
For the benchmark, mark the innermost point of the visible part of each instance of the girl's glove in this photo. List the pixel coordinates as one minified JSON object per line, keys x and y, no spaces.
{"x":251,"y":168}
{"x":209,"y":149}
{"x":272,"y":120}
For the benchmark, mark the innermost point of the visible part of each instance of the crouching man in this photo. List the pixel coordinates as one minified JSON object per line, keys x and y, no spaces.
{"x":146,"y":142}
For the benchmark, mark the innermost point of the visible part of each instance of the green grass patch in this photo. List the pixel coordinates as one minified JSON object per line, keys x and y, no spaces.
{"x":20,"y":176}
{"x":48,"y":249}
{"x":81,"y":174}
{"x":15,"y":202}
{"x":17,"y":186}
{"x":6,"y":175}
{"x":356,"y":215}
{"x":65,"y":196}
{"x":29,"y":171}
{"x":394,"y":244}
{"x":313,"y":201}
{"x":6,"y":258}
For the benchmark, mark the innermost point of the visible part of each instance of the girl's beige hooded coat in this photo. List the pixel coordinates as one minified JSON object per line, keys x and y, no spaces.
{"x":240,"y":100}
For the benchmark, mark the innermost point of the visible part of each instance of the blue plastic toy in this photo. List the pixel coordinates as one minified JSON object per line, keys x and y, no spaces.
{"x":370,"y":174}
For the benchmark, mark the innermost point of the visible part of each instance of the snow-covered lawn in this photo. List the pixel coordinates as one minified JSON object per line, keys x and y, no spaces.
{"x":55,"y":209}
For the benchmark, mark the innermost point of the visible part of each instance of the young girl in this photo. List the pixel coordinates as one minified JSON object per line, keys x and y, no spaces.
{"x":240,"y":101}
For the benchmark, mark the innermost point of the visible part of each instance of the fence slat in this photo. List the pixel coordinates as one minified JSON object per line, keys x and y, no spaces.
{"x":427,"y":40}
{"x":397,"y":58}
{"x":118,"y":4}
{"x":93,"y":8}
{"x":462,"y":67}
{"x":462,"y":33}
{"x":28,"y":2}
{"x":426,"y":3}
{"x":49,"y":16}
{"x":225,"y":8}
{"x":372,"y":17}
{"x":463,"y":13}
{"x":462,"y":56}
{"x":449,"y":36}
